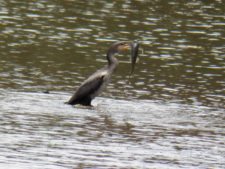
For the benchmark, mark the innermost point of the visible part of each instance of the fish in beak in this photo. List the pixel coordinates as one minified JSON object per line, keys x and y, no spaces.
{"x":134,"y":55}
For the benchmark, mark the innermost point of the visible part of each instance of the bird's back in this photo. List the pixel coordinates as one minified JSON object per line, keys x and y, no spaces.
{"x":91,"y":87}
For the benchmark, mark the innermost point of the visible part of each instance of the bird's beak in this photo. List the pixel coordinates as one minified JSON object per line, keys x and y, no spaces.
{"x":134,"y":54}
{"x":125,"y":47}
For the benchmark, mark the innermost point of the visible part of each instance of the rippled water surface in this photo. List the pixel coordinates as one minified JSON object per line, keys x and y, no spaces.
{"x":169,"y":114}
{"x":45,"y":133}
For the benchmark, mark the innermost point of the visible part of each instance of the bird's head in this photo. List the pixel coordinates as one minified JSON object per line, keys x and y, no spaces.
{"x":120,"y":47}
{"x":123,"y":46}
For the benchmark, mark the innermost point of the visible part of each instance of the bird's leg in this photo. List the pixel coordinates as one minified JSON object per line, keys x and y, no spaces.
{"x":80,"y":106}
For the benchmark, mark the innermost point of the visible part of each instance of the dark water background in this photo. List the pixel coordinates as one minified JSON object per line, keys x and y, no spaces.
{"x":170,"y":114}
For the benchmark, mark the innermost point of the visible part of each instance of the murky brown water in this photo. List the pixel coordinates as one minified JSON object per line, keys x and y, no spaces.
{"x":170,"y":114}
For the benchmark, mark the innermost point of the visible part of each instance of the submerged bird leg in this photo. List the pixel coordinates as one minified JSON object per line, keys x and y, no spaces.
{"x":80,"y":106}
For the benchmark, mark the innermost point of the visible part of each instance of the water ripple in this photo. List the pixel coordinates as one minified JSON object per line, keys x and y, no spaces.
{"x":43,"y":130}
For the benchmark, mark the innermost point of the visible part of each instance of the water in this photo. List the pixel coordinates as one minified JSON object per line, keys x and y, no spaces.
{"x":44,"y":133}
{"x":169,"y":114}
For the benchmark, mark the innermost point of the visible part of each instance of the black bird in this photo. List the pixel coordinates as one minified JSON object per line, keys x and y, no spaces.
{"x":91,"y":87}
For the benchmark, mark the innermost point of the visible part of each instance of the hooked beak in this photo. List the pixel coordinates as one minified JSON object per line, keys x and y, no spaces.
{"x":134,"y":54}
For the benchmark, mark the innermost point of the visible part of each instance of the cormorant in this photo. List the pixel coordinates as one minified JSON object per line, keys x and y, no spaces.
{"x":91,"y":87}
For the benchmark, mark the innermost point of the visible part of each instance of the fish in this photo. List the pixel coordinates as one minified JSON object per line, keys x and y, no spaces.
{"x":134,"y":55}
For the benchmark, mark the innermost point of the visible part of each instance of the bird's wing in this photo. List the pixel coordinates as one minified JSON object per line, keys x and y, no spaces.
{"x":89,"y":87}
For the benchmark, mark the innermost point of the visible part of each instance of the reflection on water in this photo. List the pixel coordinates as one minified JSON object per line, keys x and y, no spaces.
{"x":38,"y":130}
{"x":54,"y":45}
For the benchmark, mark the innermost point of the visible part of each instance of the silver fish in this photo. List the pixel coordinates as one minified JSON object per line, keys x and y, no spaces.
{"x":134,"y":55}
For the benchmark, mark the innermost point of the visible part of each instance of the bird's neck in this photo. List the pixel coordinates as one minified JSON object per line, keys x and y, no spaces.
{"x":112,"y":61}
